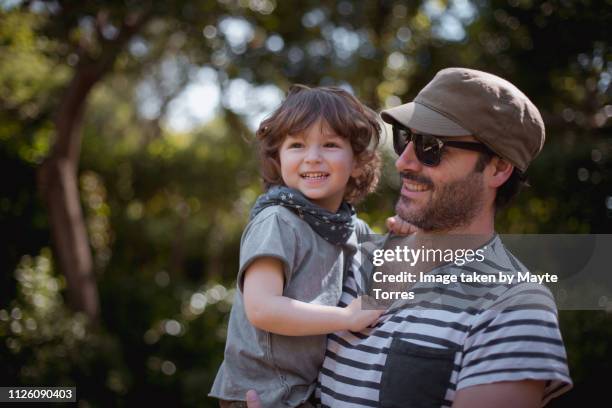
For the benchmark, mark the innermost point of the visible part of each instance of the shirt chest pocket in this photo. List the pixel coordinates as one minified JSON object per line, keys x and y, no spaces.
{"x":415,"y":376}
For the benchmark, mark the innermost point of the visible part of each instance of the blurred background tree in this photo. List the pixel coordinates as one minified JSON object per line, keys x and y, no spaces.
{"x":125,"y":141}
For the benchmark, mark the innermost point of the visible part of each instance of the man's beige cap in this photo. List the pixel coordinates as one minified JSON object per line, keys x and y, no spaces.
{"x":461,"y":101}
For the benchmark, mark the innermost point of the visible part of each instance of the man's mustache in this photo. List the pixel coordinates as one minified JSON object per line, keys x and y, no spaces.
{"x":416,"y":177}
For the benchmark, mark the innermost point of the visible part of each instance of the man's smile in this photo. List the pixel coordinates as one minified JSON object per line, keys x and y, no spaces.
{"x":415,"y":187}
{"x":413,"y":183}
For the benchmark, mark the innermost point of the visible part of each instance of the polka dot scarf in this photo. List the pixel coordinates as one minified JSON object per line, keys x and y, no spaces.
{"x":336,"y":228}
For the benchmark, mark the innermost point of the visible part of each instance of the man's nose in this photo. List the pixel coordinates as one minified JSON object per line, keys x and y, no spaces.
{"x":408,"y":160}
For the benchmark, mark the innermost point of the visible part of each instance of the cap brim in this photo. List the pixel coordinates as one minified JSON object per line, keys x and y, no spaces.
{"x":423,"y":119}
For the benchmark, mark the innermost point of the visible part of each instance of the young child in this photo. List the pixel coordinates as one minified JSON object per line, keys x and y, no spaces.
{"x":318,"y":154}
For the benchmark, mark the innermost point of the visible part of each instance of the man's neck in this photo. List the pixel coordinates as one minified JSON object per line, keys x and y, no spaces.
{"x":479,"y":226}
{"x":483,"y":225}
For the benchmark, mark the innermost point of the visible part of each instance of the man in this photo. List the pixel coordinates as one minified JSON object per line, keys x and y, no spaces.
{"x":464,"y":145}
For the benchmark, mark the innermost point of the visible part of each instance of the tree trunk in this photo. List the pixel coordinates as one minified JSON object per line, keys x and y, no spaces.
{"x":59,"y":187}
{"x":58,"y":180}
{"x":70,"y":235}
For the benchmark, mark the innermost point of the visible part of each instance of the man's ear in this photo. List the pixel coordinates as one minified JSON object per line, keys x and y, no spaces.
{"x":498,"y":171}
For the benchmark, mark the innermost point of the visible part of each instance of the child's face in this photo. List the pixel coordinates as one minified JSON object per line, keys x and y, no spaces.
{"x":318,"y":163}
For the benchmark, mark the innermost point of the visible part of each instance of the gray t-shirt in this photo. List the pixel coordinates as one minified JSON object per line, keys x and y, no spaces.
{"x":282,"y":369}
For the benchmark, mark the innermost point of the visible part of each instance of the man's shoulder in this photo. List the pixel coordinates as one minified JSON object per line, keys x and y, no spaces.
{"x":523,"y":288}
{"x":527,"y":296}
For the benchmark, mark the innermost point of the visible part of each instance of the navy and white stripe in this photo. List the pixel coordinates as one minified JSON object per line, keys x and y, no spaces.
{"x":499,"y":332}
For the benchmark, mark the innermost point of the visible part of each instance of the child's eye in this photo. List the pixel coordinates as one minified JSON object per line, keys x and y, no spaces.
{"x":295,"y":145}
{"x":331,"y":144}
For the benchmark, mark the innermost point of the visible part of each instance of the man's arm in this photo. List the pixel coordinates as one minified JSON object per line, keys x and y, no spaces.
{"x":508,"y":394}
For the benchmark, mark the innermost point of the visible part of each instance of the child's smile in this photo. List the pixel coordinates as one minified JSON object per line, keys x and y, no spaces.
{"x":314,"y":177}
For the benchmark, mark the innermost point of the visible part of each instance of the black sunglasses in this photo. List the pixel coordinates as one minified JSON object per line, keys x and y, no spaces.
{"x":428,"y":148}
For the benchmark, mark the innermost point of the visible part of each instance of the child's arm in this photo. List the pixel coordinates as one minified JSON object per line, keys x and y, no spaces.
{"x":267,"y":309}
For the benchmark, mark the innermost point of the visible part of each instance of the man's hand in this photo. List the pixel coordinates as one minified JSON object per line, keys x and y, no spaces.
{"x":252,"y":399}
{"x":398,"y":226}
{"x":359,"y":318}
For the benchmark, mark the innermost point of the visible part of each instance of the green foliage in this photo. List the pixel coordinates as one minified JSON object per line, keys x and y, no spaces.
{"x":44,"y":342}
{"x":29,"y":81}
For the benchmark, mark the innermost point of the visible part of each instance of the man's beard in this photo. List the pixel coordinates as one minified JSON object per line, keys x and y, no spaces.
{"x":453,"y":205}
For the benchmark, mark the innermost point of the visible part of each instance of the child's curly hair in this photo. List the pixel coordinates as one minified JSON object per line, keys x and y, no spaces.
{"x":343,"y":113}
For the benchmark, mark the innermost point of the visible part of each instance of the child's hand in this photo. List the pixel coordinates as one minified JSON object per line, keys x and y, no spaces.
{"x":358,"y":318}
{"x":252,"y":399}
{"x":398,"y":226}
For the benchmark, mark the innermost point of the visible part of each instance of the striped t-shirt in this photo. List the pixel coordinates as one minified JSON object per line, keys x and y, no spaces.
{"x":421,"y":356}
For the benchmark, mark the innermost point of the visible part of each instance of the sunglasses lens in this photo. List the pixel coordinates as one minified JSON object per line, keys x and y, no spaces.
{"x":428,"y":150}
{"x":401,"y":137}
{"x":427,"y":147}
